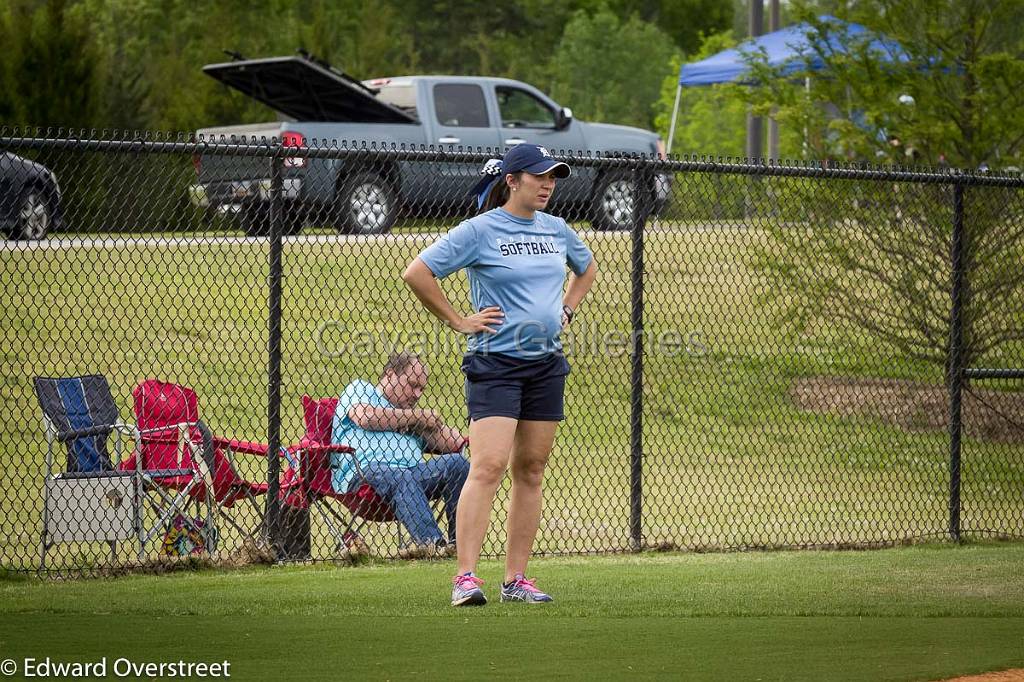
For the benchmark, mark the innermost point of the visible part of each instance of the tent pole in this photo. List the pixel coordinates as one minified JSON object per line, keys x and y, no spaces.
{"x":773,"y":125}
{"x":807,"y":93}
{"x":675,"y":112}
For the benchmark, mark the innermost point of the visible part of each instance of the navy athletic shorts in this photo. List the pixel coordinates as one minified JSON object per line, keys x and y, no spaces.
{"x":507,"y":386}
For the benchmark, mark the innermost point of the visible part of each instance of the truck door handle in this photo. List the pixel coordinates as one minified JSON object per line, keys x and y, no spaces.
{"x":448,"y":139}
{"x":514,"y":141}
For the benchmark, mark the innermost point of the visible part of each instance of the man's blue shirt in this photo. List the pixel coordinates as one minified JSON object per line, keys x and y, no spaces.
{"x":393,"y":448}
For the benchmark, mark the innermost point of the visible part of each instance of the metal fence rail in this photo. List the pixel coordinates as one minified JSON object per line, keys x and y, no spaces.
{"x":773,"y":355}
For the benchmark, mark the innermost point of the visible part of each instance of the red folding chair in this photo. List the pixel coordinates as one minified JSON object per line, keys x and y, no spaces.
{"x":363,"y":503}
{"x":315,"y":450}
{"x":179,"y":453}
{"x":171,"y":472}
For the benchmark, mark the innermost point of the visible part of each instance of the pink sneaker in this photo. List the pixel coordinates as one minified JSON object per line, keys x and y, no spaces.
{"x":523,"y":589}
{"x":466,"y":591}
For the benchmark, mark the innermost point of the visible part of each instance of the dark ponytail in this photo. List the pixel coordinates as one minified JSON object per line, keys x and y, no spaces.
{"x":499,"y":193}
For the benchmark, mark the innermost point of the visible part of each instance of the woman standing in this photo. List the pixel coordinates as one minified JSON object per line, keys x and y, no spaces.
{"x":515,"y":256}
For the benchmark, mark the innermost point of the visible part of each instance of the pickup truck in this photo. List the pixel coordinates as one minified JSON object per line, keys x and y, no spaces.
{"x":319,"y":105}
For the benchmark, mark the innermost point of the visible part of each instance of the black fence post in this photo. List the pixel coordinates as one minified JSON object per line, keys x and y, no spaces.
{"x":273,"y":516}
{"x":955,"y":362}
{"x":641,"y":197}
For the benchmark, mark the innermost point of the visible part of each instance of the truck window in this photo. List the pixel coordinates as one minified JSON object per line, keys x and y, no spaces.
{"x":520,"y":109}
{"x":397,"y":94}
{"x":460,"y":105}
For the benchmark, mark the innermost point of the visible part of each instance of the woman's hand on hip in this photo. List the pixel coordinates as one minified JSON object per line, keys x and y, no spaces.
{"x":481,"y":321}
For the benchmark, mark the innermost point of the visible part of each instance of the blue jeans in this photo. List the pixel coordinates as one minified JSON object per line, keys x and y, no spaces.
{"x":409,"y":492}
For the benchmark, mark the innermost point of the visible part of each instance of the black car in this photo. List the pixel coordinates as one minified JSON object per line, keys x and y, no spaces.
{"x":30,"y":204}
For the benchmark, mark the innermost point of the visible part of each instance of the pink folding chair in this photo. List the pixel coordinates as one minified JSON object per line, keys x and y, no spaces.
{"x":315,"y":449}
{"x":171,"y":472}
{"x":182,"y":461}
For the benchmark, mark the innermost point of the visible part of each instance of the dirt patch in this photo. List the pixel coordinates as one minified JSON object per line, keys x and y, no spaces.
{"x":913,"y":406}
{"x":1015,"y":675}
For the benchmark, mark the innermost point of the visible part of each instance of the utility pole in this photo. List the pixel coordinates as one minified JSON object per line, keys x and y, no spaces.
{"x":755,"y":124}
{"x":773,"y":125}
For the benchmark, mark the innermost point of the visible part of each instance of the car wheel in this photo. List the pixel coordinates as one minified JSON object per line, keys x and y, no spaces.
{"x":34,"y":217}
{"x":615,"y":202}
{"x":366,"y":204}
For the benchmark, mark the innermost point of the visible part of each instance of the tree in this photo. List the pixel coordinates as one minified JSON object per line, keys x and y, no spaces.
{"x":615,"y":80}
{"x":357,"y":37}
{"x":685,"y":21}
{"x":877,"y":255}
{"x":957,"y":60}
{"x":49,"y":65}
{"x":710,"y":119}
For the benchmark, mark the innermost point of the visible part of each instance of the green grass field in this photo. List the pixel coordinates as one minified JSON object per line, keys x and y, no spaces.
{"x":729,"y":460}
{"x":916,"y":613}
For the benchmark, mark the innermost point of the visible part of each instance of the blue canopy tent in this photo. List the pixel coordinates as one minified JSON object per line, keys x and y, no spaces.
{"x":791,"y":48}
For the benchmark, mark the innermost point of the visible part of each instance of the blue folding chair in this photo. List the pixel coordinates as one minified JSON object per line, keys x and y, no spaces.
{"x":99,"y":498}
{"x":89,"y":499}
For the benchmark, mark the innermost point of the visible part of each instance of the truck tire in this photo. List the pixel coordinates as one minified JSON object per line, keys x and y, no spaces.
{"x":615,"y":201}
{"x":255,"y":219}
{"x":366,"y":204}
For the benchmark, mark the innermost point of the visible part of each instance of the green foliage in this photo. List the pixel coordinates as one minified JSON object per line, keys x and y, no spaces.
{"x":961,"y":68}
{"x":711,"y":120}
{"x":589,"y":60}
{"x":876,"y":256}
{"x":48,"y":72}
{"x":136,"y":64}
{"x":685,"y":21}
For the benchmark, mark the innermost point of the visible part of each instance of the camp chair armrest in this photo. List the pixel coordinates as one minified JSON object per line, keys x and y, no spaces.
{"x":330,"y":448}
{"x":314,"y":456}
{"x":243,"y":446}
{"x":341,"y":450}
{"x":247,"y":447}
{"x":166,"y":429}
{"x":75,"y":434}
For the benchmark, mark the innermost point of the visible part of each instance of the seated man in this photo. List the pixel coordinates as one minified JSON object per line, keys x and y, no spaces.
{"x":390,"y":434}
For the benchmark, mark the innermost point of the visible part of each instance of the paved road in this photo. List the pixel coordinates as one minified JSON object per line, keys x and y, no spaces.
{"x":107,"y":242}
{"x":62,"y":243}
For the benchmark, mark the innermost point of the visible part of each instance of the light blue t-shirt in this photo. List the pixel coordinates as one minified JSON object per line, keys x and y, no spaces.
{"x":396,"y":449}
{"x":519,"y":266}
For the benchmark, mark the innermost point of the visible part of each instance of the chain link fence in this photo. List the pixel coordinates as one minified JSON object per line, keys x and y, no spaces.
{"x":772,"y":356}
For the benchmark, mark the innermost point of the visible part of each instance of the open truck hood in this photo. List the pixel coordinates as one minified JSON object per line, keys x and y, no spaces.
{"x":306,"y":91}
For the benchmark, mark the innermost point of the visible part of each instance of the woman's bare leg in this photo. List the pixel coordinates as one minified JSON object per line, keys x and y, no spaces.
{"x":530,"y":453}
{"x":491,"y":441}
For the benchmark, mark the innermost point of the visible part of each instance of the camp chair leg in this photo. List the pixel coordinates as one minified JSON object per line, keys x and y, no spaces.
{"x":234,"y":524}
{"x":330,"y":525}
{"x":326,"y":512}
{"x":261,"y":527}
{"x":165,"y":515}
{"x":140,"y":510}
{"x":211,"y":531}
{"x":399,"y":535}
{"x":46,"y":524}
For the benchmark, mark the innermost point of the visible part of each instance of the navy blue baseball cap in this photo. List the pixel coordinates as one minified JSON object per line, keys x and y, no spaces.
{"x":533,"y":159}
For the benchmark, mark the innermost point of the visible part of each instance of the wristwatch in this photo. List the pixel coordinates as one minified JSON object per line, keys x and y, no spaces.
{"x":569,"y":312}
